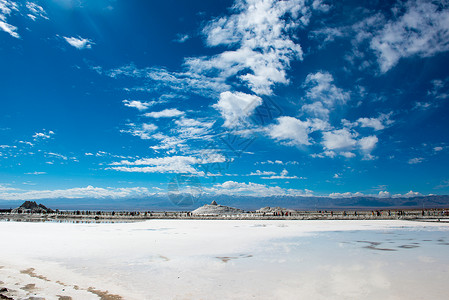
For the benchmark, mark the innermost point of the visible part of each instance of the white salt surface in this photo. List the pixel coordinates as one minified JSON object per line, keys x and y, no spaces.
{"x":214,"y":259}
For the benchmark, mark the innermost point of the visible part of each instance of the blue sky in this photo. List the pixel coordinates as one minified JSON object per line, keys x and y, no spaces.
{"x":117,"y":98}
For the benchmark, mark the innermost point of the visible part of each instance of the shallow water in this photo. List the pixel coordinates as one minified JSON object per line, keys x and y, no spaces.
{"x":184,"y":259}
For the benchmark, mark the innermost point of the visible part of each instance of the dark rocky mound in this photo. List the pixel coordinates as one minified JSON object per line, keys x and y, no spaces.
{"x":31,"y":207}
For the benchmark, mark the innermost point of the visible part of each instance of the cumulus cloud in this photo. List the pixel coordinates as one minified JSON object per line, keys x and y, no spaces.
{"x":377,"y":124}
{"x":76,"y":193}
{"x":320,"y":87}
{"x":141,"y":106}
{"x":339,"y":139}
{"x":43,"y":135}
{"x":410,"y":194}
{"x":79,"y":42}
{"x":323,"y":95}
{"x":368,"y":143}
{"x":166,"y":113}
{"x":290,"y":131}
{"x":417,"y":28}
{"x":260,"y":34}
{"x":236,"y":107}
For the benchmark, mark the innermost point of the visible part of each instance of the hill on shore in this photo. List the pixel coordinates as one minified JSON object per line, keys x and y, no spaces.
{"x":31,"y":207}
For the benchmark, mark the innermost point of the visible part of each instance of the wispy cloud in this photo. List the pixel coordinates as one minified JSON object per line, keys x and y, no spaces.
{"x":6,"y":7}
{"x":166,"y":113}
{"x":36,"y":11}
{"x":79,"y":42}
{"x":158,"y":78}
{"x":144,"y":131}
{"x":169,"y":164}
{"x":181,"y":38}
{"x":415,"y":160}
{"x":36,"y":173}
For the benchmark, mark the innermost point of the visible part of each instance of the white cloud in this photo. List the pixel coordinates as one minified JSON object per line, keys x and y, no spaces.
{"x":282,"y":175}
{"x":260,"y":33}
{"x":381,"y":194}
{"x":346,"y":195}
{"x":262,"y":173}
{"x":144,"y":131}
{"x":384,"y":194}
{"x":368,"y":143}
{"x":374,"y":123}
{"x":6,"y":188}
{"x":339,"y":139}
{"x":377,"y":124}
{"x":42,"y":135}
{"x":437,"y":149}
{"x":36,"y":173}
{"x":166,"y":113}
{"x":155,"y":78}
{"x":320,"y":6}
{"x":317,"y":110}
{"x":440,"y":89}
{"x":416,"y":160}
{"x":169,"y":164}
{"x":419,"y":28}
{"x":76,"y":193}
{"x":6,"y":7}
{"x":347,"y":154}
{"x":137,"y":104}
{"x":253,"y":189}
{"x":193,"y":129}
{"x":12,"y":30}
{"x":290,"y":131}
{"x":236,"y":107}
{"x":79,"y":42}
{"x":323,"y":94}
{"x":181,"y":38}
{"x":52,"y":154}
{"x":273,"y":175}
{"x":410,"y":194}
{"x":36,"y":11}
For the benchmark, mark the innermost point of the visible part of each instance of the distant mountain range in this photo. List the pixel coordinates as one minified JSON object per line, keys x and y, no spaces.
{"x":187,"y":203}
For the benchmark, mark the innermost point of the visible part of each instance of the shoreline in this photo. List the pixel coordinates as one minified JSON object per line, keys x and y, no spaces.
{"x":237,"y":259}
{"x":429,"y":215}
